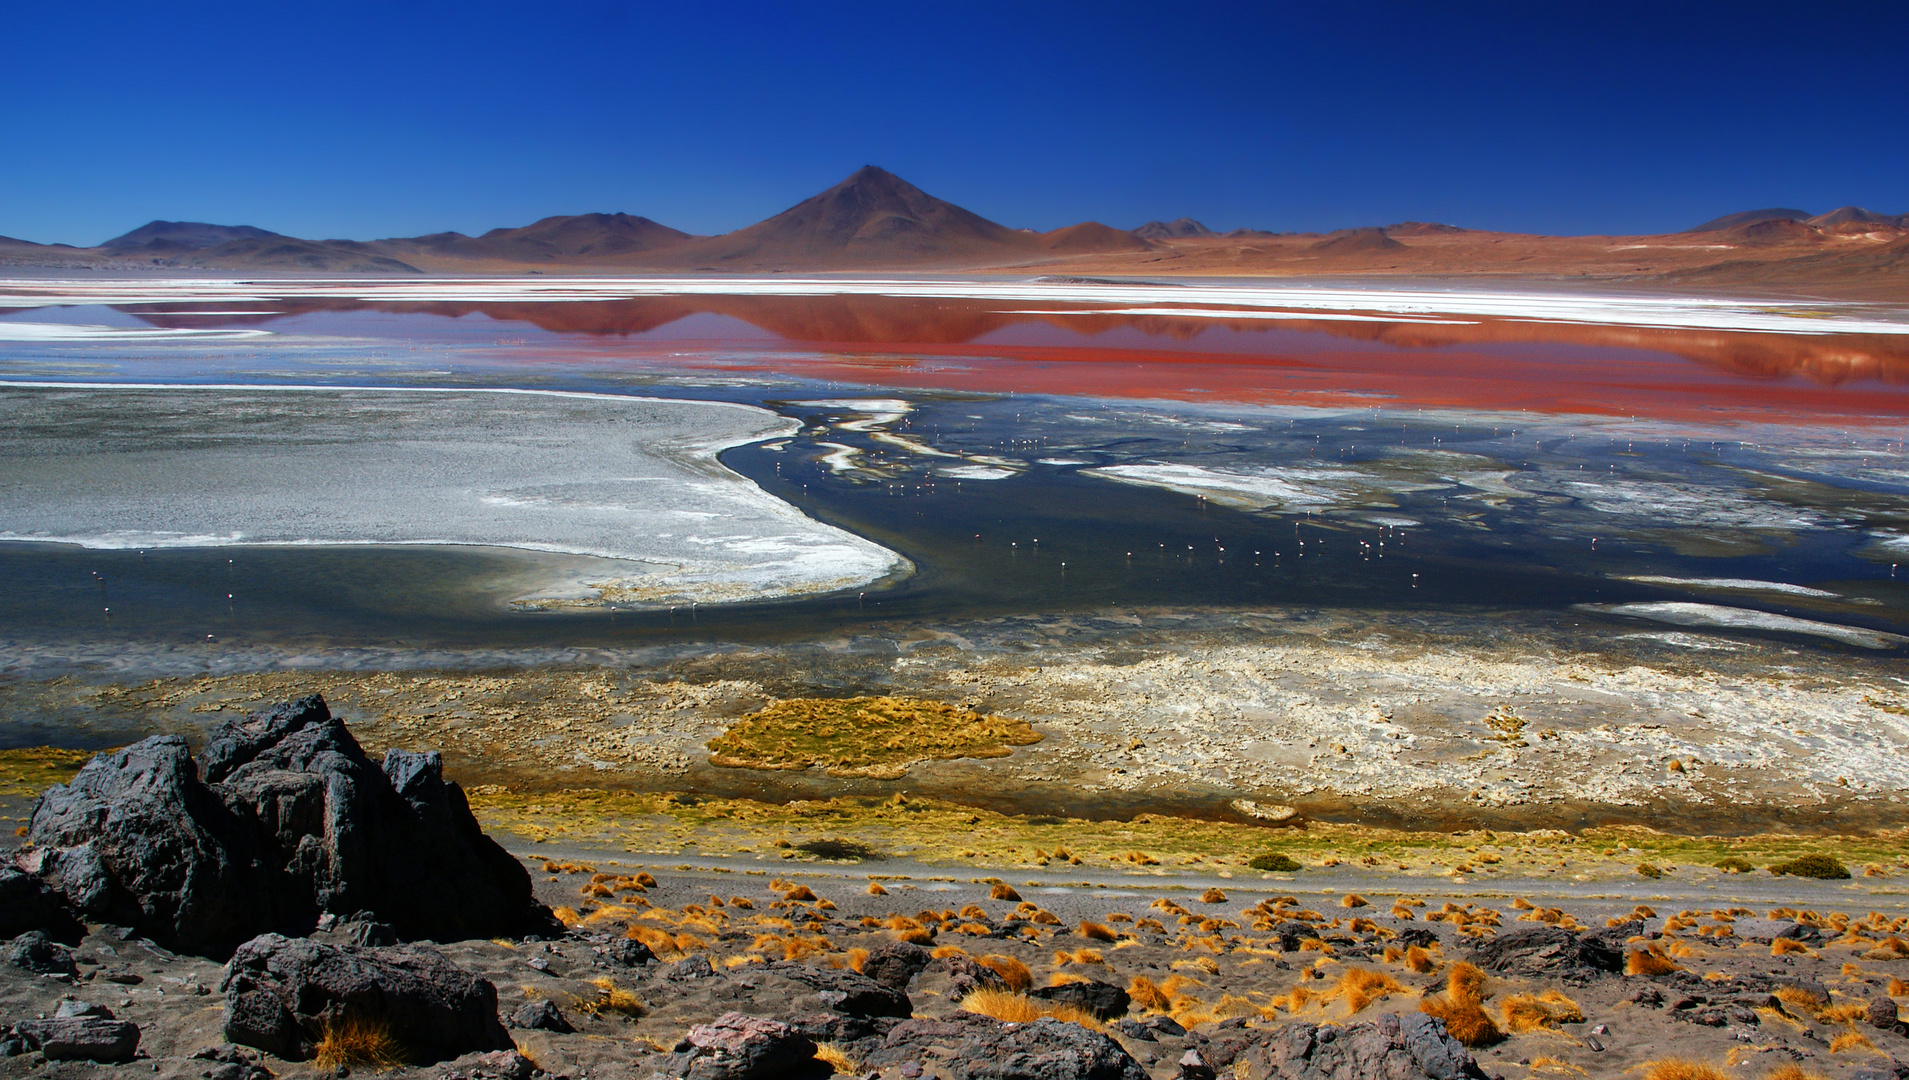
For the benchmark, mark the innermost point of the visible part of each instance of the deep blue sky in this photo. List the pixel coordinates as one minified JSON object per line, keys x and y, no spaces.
{"x":361,"y":121}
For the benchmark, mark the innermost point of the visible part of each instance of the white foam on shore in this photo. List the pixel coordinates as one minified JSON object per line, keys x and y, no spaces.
{"x":14,"y":330}
{"x":1235,"y":313}
{"x":631,"y":481}
{"x":975,"y":472}
{"x":1683,"y":312}
{"x":1263,"y":488}
{"x":1726,"y":584}
{"x":1679,"y":613}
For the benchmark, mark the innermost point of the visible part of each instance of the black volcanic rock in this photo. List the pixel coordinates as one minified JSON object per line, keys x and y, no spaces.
{"x":1551,"y":951}
{"x":1103,"y":1001}
{"x":283,"y":818}
{"x":281,"y":994}
{"x":969,"y":1047}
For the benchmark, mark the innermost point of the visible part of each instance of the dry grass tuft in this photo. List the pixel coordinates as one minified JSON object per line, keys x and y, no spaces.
{"x":798,"y":892}
{"x":1094,"y":931}
{"x":1531,"y":1012}
{"x":1462,"y":1007}
{"x":1354,"y":900}
{"x":613,"y":999}
{"x":1003,"y":891}
{"x":876,"y":737}
{"x":1212,"y":896}
{"x":1011,"y":1008}
{"x":1898,"y":987}
{"x":1420,"y":961}
{"x":1683,"y":1069}
{"x":1783,"y":946}
{"x":837,"y":1059}
{"x":856,"y":958}
{"x":360,"y":1043}
{"x":1012,"y":971}
{"x":658,"y":942}
{"x":1651,"y":961}
{"x":1062,"y":957}
{"x":1148,"y":995}
{"x":1850,"y":1040}
{"x":1360,"y":987}
{"x":1792,"y":1071}
{"x":875,"y":889}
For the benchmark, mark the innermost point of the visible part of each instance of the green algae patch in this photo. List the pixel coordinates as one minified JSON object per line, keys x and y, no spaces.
{"x":874,"y":737}
{"x":26,"y":772}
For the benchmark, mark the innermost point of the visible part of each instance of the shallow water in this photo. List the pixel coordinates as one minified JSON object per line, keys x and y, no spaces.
{"x":1068,"y":458}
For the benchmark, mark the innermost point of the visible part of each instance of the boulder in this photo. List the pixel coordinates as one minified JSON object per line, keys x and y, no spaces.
{"x":541,"y":1016}
{"x":1412,"y":1047}
{"x":26,"y":903}
{"x":1103,"y":1001}
{"x":845,"y":991}
{"x":894,"y":965}
{"x":969,"y":1047}
{"x":34,"y":951}
{"x":283,"y":994}
{"x":955,"y":977}
{"x":1550,"y":952}
{"x":80,"y":1038}
{"x":1766,"y":931}
{"x":628,"y":952}
{"x":738,"y":1047}
{"x":282,"y":819}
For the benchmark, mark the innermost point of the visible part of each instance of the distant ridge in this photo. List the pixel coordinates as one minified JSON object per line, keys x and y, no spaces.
{"x":1745,"y":217}
{"x":573,"y":237}
{"x":183,"y":236}
{"x":1350,"y":240}
{"x":1177,"y":229}
{"x":1843,"y":215}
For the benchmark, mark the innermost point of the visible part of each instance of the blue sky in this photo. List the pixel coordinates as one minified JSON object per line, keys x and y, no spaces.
{"x":361,"y":121}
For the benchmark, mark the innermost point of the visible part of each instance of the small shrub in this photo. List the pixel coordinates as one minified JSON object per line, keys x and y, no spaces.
{"x":1650,"y":870}
{"x":799,"y":892}
{"x":1212,"y":896}
{"x":1354,"y":900}
{"x":1274,"y":862}
{"x":1003,"y":891}
{"x":875,"y":889}
{"x":1734,"y":864}
{"x":353,"y":1041}
{"x":1420,"y":961}
{"x":1012,"y":971}
{"x":1461,"y":1006}
{"x":1813,"y":865}
{"x":1683,"y":1069}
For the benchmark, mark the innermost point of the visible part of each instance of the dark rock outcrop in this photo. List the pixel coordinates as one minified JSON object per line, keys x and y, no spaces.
{"x":1103,"y":1001}
{"x":34,"y":951}
{"x":1412,"y":1047}
{"x":80,"y":1038}
{"x":282,"y":818}
{"x":894,"y":966}
{"x":967,"y":1047}
{"x":541,"y":1016}
{"x":1552,"y":952}
{"x":283,"y":994}
{"x":845,"y":991}
{"x":26,"y":903}
{"x":738,"y":1047}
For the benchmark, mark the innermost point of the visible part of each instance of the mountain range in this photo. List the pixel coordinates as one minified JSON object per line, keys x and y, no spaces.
{"x":874,"y":220}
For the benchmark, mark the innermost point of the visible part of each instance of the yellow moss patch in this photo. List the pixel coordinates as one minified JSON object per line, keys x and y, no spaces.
{"x":29,"y":771}
{"x":876,"y":737}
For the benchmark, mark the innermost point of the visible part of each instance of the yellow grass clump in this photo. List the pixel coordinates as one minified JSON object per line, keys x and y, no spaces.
{"x":612,"y":999}
{"x":1003,"y":891}
{"x":1651,"y":961}
{"x":875,"y":889}
{"x":1062,"y":957}
{"x":1094,"y":931}
{"x":837,"y":1059}
{"x":1354,"y":900}
{"x":1012,"y":971}
{"x":1359,"y":987}
{"x":1148,"y":995}
{"x":358,"y":1042}
{"x":1683,"y":1069}
{"x":1530,"y":1012}
{"x":1462,"y":1007}
{"x":1212,"y":896}
{"x":1419,"y":960}
{"x":1850,"y":1040}
{"x":1792,"y":1071}
{"x":878,"y":737}
{"x":1783,"y":946}
{"x":1011,"y":1008}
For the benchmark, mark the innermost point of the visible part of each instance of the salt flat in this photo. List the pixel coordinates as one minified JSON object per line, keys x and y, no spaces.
{"x":630,"y":484}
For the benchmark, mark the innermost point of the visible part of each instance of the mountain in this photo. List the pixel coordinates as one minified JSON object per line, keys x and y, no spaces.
{"x":1421,"y":228}
{"x":174,"y":236}
{"x":274,"y":252}
{"x":1178,"y":229}
{"x":1346,"y":241}
{"x":1745,"y":217}
{"x":1092,"y":236}
{"x":1845,"y":214}
{"x":566,"y":238}
{"x":873,"y":218}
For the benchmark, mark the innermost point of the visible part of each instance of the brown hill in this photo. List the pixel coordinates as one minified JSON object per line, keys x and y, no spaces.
{"x":1846,"y":214}
{"x":1178,"y":229}
{"x":1421,"y":228}
{"x":1746,"y":217}
{"x":1770,"y":231}
{"x":290,"y":253}
{"x":166,"y":237}
{"x":573,"y":238}
{"x":1348,"y":241}
{"x":1092,"y":236}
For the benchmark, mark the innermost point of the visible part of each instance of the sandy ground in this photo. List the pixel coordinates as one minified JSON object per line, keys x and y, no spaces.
{"x":628,"y":488}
